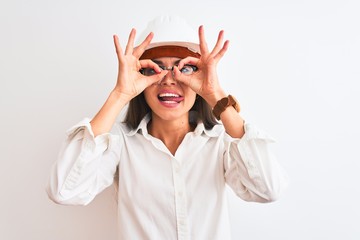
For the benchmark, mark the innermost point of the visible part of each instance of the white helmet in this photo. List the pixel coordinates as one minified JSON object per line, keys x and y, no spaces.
{"x":173,"y":37}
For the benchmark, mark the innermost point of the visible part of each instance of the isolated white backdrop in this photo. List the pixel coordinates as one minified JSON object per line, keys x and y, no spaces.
{"x":293,"y":65}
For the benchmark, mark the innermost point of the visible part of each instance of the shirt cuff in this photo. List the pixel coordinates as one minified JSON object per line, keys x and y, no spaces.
{"x":90,"y":142}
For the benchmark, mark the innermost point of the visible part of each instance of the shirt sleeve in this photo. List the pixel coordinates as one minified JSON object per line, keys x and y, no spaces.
{"x":251,"y":169}
{"x":85,"y":166}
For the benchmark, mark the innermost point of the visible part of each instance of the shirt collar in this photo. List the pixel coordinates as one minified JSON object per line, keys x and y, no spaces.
{"x":141,"y":127}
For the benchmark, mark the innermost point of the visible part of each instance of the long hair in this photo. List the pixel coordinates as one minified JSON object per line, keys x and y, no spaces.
{"x":138,"y":108}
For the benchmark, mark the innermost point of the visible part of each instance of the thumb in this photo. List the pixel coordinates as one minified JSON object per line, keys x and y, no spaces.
{"x":181,"y":77}
{"x":157,"y":77}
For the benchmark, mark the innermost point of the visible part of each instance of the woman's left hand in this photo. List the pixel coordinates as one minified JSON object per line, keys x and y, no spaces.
{"x":205,"y":80}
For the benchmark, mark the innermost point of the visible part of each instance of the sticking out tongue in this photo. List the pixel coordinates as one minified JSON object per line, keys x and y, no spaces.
{"x":170,"y":97}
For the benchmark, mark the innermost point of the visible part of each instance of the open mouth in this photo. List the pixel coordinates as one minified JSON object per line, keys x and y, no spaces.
{"x":170,"y":98}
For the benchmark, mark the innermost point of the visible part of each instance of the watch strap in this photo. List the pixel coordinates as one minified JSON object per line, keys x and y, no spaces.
{"x":224,"y":103}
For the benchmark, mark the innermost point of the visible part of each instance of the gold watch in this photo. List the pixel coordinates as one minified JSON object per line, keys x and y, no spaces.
{"x":224,"y":103}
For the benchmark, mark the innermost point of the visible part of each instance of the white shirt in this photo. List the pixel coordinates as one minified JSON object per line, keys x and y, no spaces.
{"x":162,"y":196}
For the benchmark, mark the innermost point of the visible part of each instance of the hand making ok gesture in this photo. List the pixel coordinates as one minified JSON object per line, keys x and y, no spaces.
{"x":205,"y":81}
{"x":130,"y":82}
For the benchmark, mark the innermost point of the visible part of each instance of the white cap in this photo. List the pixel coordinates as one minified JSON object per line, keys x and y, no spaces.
{"x":173,"y":37}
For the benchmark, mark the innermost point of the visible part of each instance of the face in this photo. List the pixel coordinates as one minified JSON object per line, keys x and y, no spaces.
{"x":169,"y":99}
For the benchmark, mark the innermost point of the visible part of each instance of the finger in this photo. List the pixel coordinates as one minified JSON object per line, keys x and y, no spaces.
{"x":117,"y":47}
{"x":156,"y":78}
{"x":130,"y":43}
{"x":222,"y":51}
{"x":218,"y":43}
{"x":181,"y":77}
{"x":203,"y":44}
{"x":147,"y":63}
{"x":189,"y":61}
{"x":177,"y":74}
{"x":139,"y":50}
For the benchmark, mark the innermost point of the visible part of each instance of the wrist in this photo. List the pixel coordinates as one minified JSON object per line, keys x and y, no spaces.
{"x":119,"y":97}
{"x":214,"y":98}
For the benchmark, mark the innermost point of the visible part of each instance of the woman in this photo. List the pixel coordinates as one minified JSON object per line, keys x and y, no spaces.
{"x":172,"y":157}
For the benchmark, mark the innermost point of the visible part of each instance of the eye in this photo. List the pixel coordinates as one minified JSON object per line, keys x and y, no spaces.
{"x":188,"y":69}
{"x":147,"y":71}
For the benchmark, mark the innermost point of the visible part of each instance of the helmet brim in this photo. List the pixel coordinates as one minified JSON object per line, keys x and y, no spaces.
{"x":171,"y":49}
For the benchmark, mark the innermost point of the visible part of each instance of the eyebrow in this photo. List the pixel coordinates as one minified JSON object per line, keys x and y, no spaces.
{"x":161,"y":63}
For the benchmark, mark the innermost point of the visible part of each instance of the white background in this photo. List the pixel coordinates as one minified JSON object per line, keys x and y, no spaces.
{"x":293,"y":65}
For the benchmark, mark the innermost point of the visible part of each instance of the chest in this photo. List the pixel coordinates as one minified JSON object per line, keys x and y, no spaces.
{"x":147,"y":168}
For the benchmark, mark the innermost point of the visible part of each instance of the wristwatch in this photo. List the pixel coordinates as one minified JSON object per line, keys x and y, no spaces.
{"x":223,"y":103}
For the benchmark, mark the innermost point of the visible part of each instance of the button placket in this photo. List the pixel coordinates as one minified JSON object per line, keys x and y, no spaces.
{"x":180,"y":202}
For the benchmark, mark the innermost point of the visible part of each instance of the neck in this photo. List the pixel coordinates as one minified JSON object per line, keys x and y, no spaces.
{"x":170,"y":132}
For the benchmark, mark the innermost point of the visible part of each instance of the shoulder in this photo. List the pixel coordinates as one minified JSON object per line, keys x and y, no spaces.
{"x":216,"y":131}
{"x":123,"y":129}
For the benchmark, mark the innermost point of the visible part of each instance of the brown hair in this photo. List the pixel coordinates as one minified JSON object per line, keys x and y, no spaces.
{"x":138,"y":108}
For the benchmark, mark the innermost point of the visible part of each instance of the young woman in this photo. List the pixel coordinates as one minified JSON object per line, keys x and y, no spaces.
{"x":172,"y":159}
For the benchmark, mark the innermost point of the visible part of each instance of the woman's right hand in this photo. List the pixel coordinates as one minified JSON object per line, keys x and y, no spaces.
{"x":130,"y":82}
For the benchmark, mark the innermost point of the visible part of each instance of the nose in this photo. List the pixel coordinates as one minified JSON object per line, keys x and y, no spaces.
{"x":168,"y":79}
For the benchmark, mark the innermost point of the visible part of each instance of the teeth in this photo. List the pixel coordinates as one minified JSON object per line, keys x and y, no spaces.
{"x":169,"y":95}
